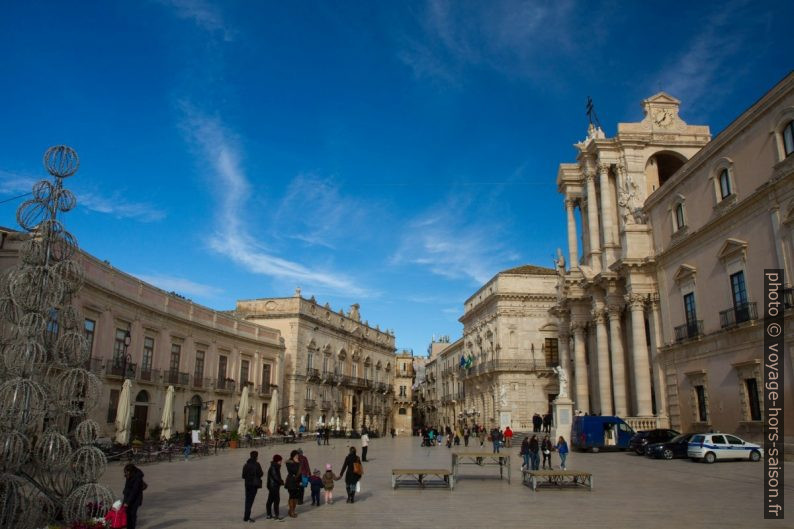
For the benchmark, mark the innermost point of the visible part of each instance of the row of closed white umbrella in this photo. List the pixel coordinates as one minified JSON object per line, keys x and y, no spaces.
{"x":124,"y":417}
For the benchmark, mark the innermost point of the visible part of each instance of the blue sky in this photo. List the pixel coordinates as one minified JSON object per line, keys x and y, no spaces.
{"x":394,"y":154}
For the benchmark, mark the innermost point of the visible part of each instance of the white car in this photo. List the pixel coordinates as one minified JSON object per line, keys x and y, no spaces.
{"x":710,"y":447}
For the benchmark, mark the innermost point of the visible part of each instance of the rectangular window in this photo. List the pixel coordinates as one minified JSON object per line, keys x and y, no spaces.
{"x":309,"y":360}
{"x":739,"y":291}
{"x":402,"y":411}
{"x":118,"y":346}
{"x":266,"y":375}
{"x":222,"y":361}
{"x":700,"y":393}
{"x":308,"y":393}
{"x":752,"y":399}
{"x":550,"y":347}
{"x":90,"y":330}
{"x":244,"y":372}
{"x":198,"y":372}
{"x":176,"y":353}
{"x":113,"y":405}
{"x":148,"y":355}
{"x":325,"y":364}
{"x":355,"y":370}
{"x":788,"y":138}
{"x":264,"y":413}
{"x":219,"y":414}
{"x":725,"y":183}
{"x":689,"y":308}
{"x":679,"y":216}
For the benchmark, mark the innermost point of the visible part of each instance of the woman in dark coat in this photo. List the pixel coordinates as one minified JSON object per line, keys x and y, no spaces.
{"x":274,"y":484}
{"x":293,"y":482}
{"x":351,"y":478}
{"x":133,"y":493}
{"x":252,"y":474}
{"x":534,"y":448}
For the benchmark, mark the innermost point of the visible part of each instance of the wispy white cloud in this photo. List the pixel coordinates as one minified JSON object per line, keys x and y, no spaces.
{"x":697,"y":74}
{"x":454,"y":239}
{"x":509,"y":36}
{"x":180,"y":285}
{"x":115,"y":204}
{"x":204,"y":14}
{"x":219,"y":147}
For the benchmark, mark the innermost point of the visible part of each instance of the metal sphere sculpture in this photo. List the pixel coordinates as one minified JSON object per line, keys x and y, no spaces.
{"x":49,"y":467}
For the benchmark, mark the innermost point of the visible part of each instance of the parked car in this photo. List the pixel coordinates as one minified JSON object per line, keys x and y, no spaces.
{"x":597,"y":432}
{"x":710,"y":447}
{"x":646,"y":437}
{"x":674,"y":448}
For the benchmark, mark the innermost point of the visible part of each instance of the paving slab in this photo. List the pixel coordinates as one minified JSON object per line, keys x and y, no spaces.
{"x":630,"y":491}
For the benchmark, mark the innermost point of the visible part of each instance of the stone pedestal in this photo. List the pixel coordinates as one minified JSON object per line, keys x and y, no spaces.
{"x":563,"y":418}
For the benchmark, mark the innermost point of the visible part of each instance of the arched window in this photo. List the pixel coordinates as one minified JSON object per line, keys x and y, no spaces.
{"x":142,"y":396}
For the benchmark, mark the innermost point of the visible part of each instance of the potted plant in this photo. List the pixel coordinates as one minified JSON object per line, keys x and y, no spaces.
{"x":234,"y":439}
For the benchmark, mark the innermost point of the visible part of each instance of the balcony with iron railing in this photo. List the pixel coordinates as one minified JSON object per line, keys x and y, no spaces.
{"x":309,"y":404}
{"x":265,"y":390}
{"x":148,"y":376}
{"x":788,"y":298}
{"x":116,"y":369}
{"x":176,"y":378}
{"x":689,"y":330}
{"x":312,"y":374}
{"x":224,"y":385}
{"x":325,"y":405}
{"x":738,"y":314}
{"x":199,"y":382}
{"x":95,"y":365}
{"x":338,"y":406}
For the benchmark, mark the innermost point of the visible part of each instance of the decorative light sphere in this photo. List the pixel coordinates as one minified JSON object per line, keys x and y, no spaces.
{"x":14,"y":450}
{"x":61,"y":161}
{"x":87,"y":432}
{"x":21,"y":356}
{"x":78,"y":391}
{"x":65,"y":200}
{"x":22,"y":507}
{"x":52,"y":450}
{"x":88,"y":464}
{"x":22,"y":403}
{"x":31,"y":213}
{"x":72,"y":348}
{"x":91,"y":500}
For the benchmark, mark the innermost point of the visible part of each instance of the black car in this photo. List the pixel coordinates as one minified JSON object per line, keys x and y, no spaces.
{"x":646,"y":437}
{"x":674,"y":448}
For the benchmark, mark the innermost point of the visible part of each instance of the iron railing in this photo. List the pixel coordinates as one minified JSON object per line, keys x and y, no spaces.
{"x":176,"y":378}
{"x":689,"y":330}
{"x":224,"y":384}
{"x":151,"y":376}
{"x":309,"y":404}
{"x":738,"y":314}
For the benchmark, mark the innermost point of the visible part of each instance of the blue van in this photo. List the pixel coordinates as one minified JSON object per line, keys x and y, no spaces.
{"x":597,"y":432}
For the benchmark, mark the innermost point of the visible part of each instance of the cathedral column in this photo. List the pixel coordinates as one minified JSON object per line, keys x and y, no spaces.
{"x":602,"y":346}
{"x":361,"y":412}
{"x":580,"y":367}
{"x":592,"y":215}
{"x":573,"y":245}
{"x":607,"y":215}
{"x":642,"y":375}
{"x":659,"y":382}
{"x":618,"y":366}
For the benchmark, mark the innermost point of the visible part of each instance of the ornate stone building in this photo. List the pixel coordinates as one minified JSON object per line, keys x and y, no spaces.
{"x":608,"y":298}
{"x":338,"y":370}
{"x":207,"y":356}
{"x":402,"y":412}
{"x":723,"y":218}
{"x":510,"y":341}
{"x":658,"y":314}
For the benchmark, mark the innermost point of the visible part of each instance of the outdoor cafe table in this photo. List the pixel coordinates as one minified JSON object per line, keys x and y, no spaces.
{"x":481,"y":458}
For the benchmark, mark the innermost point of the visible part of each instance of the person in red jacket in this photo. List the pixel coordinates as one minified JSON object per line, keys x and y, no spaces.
{"x":508,"y":436}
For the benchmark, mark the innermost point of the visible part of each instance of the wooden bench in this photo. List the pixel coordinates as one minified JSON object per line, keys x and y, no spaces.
{"x":418,"y":475}
{"x":558,"y":478}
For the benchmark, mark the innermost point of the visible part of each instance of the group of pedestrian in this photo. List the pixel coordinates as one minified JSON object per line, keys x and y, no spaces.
{"x":532,"y":450}
{"x":299,"y":478}
{"x":541,"y":423}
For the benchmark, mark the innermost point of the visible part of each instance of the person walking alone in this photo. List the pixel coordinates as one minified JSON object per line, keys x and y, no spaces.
{"x":133,"y":493}
{"x":352,"y":471}
{"x":188,"y":445}
{"x":466,"y":435}
{"x":364,"y":445}
{"x":482,"y":436}
{"x":562,"y":449}
{"x":508,"y":437}
{"x":524,"y":452}
{"x":274,"y":484}
{"x":252,"y":474}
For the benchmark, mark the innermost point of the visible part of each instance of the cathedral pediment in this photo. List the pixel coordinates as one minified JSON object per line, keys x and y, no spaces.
{"x":662,"y":98}
{"x":732,"y":248}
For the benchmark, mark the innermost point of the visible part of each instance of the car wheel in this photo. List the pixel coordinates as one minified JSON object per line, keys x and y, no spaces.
{"x":667,"y":454}
{"x":594,"y":449}
{"x":755,"y":455}
{"x":709,"y":458}
{"x":639,"y":451}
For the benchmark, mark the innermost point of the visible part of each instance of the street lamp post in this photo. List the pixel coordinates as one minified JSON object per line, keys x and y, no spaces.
{"x":126,"y":359}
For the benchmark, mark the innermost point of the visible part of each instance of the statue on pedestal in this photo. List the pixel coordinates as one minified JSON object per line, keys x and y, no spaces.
{"x":563,"y":378}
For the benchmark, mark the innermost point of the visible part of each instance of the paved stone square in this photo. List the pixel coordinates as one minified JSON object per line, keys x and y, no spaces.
{"x":630,"y":491}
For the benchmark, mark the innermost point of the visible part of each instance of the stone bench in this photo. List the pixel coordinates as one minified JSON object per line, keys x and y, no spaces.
{"x":557,"y":478}
{"x":418,"y":475}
